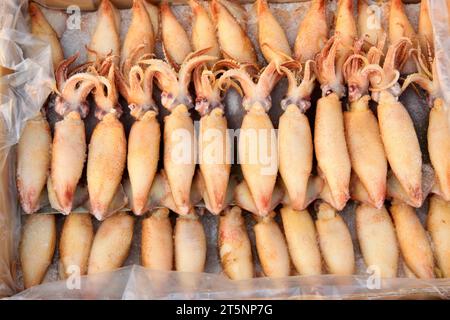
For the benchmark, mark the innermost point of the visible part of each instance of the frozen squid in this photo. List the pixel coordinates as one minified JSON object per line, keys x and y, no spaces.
{"x":302,"y":241}
{"x":438,"y":124}
{"x":329,"y":135}
{"x":75,"y":244}
{"x":335,"y":241}
{"x":105,"y":39}
{"x":200,"y":192}
{"x":153,"y":14}
{"x":33,"y":151}
{"x":214,"y":145}
{"x":244,"y":198}
{"x":362,"y":133}
{"x":33,"y":162}
{"x":140,"y":38}
{"x":179,"y":137}
{"x":175,"y":40}
{"x":157,"y":241}
{"x":234,"y":42}
{"x":369,"y":23}
{"x":312,"y":33}
{"x":234,"y":245}
{"x":399,"y":28}
{"x":258,"y":154}
{"x":69,"y":139}
{"x":399,"y":137}
{"x":425,"y":32}
{"x":314,"y":189}
{"x":144,"y":138}
{"x":295,"y":146}
{"x":272,"y":39}
{"x":203,"y":30}
{"x":107,"y":147}
{"x":347,"y":32}
{"x":438,"y":225}
{"x":413,"y":240}
{"x":401,"y":144}
{"x":190,"y":244}
{"x":37,"y":247}
{"x":377,"y":239}
{"x":111,"y":243}
{"x":44,"y":31}
{"x":271,"y":247}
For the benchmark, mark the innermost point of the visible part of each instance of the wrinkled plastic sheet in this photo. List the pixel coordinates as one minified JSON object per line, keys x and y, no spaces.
{"x":136,"y":282}
{"x":26,"y":67}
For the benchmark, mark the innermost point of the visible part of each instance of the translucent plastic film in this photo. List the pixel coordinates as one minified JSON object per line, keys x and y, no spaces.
{"x":25,"y":82}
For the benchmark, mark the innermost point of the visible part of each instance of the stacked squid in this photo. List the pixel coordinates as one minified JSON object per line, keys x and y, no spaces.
{"x":366,"y":156}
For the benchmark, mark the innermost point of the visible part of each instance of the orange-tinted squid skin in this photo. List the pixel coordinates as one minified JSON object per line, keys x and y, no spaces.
{"x":260,"y":177}
{"x":414,"y":244}
{"x":369,"y":23}
{"x":34,"y":147}
{"x":439,"y":145}
{"x":69,"y":141}
{"x":105,"y":39}
{"x":179,"y":135}
{"x":190,"y":244}
{"x":37,"y":246}
{"x":180,"y":171}
{"x":377,"y":239}
{"x":234,"y":245}
{"x":295,"y":149}
{"x":142,"y":158}
{"x":295,"y":142}
{"x":331,"y":148}
{"x":68,"y":157}
{"x":157,"y":241}
{"x":335,"y":241}
{"x":425,"y":32}
{"x":111,"y":243}
{"x":438,"y":222}
{"x":401,"y":144}
{"x":271,"y":36}
{"x":272,"y":248}
{"x":176,"y":49}
{"x":140,"y":38}
{"x":203,"y":30}
{"x":33,"y":162}
{"x":366,"y":149}
{"x":215,"y":168}
{"x":106,"y":163}
{"x":234,"y":42}
{"x":75,"y":244}
{"x":257,"y":143}
{"x":301,"y":236}
{"x":346,"y":30}
{"x":312,"y":32}
{"x":44,"y":31}
{"x":399,"y":27}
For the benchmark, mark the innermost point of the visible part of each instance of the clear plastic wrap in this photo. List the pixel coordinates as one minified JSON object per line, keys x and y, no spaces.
{"x":31,"y":61}
{"x":24,"y":88}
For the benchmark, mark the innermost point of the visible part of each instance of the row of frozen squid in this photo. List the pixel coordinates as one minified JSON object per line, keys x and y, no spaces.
{"x":310,"y":247}
{"x":355,"y":140}
{"x":343,"y":142}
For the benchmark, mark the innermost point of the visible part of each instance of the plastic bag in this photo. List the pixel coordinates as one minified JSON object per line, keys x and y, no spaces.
{"x":23,"y":92}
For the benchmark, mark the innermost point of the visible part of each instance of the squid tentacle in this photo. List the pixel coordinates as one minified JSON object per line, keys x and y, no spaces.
{"x":106,"y":96}
{"x":326,"y":68}
{"x":299,"y":93}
